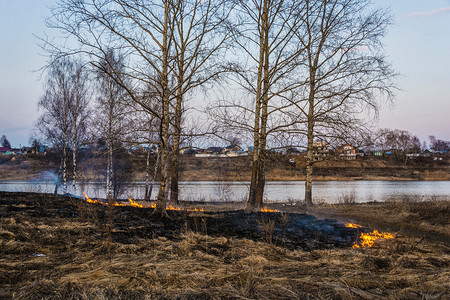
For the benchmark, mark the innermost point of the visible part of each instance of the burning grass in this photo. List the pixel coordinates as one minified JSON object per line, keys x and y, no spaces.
{"x":56,"y":248}
{"x":429,"y":219}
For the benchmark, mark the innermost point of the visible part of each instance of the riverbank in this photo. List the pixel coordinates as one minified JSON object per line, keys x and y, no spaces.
{"x":56,"y":247}
{"x":278,"y":168}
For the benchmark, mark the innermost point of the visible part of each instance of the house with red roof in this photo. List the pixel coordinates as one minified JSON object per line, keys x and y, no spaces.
{"x":5,"y":151}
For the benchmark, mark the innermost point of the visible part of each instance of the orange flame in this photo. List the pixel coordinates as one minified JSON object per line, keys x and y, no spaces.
{"x":368,"y":239}
{"x":195,"y":209}
{"x":100,"y":202}
{"x":170,"y":207}
{"x":265,"y":209}
{"x":135,"y":204}
{"x":352,"y":225}
{"x":90,"y":200}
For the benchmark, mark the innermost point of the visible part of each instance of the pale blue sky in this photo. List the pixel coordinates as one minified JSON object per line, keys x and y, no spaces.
{"x":418,"y":45}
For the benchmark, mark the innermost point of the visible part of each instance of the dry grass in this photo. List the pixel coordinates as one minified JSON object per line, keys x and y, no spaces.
{"x":57,"y":250}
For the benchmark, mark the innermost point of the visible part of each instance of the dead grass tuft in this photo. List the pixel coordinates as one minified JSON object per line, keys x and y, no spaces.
{"x":375,"y":263}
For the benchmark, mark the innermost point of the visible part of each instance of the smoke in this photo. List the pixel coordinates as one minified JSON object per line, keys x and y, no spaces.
{"x":47,"y":176}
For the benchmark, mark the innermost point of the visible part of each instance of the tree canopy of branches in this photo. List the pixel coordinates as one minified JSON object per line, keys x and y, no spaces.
{"x":304,"y":69}
{"x":399,"y":142}
{"x":438,"y":145}
{"x":265,"y":71}
{"x":344,"y":70}
{"x":167,"y":45}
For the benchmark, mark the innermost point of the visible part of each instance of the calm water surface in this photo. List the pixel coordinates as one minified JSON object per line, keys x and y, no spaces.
{"x":280,"y":191}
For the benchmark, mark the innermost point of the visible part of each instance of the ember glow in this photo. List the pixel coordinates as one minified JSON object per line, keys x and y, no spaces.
{"x":368,"y":239}
{"x":265,"y":209}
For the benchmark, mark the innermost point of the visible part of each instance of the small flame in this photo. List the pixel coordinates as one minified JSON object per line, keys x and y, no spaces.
{"x":135,"y":204}
{"x":265,"y":209}
{"x":368,"y":239}
{"x":352,"y":225}
{"x":170,"y":207}
{"x":195,"y":209}
{"x":90,"y":200}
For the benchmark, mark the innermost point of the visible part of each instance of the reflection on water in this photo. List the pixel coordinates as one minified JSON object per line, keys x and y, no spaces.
{"x":280,"y":191}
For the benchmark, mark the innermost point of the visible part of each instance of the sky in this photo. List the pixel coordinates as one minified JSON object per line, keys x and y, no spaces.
{"x":417,"y":45}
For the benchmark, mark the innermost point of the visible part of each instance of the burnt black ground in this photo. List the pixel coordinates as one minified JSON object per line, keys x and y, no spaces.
{"x":301,"y":231}
{"x":61,"y":247}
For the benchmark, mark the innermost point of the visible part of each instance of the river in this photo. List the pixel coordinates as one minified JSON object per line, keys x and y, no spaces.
{"x":279,"y":191}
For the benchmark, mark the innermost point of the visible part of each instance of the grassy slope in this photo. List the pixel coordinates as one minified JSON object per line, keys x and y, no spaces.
{"x":60,"y":248}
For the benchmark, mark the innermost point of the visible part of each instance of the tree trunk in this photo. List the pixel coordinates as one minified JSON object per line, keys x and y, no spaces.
{"x":110,"y":172}
{"x":164,"y":132}
{"x":147,"y":177}
{"x":155,"y":173}
{"x":74,"y":165}
{"x":254,"y":182}
{"x":176,"y":143}
{"x":162,"y":193}
{"x":251,"y":203}
{"x":174,"y":180}
{"x":264,"y":114}
{"x":309,"y":165}
{"x":64,"y":170}
{"x":259,"y":195}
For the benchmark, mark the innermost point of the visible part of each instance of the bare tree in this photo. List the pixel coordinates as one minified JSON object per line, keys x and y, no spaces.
{"x":64,"y":105}
{"x":4,"y":142}
{"x":201,"y":31}
{"x":264,"y":70}
{"x":79,"y":115}
{"x":111,"y":121}
{"x":344,"y":70}
{"x":147,"y":133}
{"x":398,"y":142}
{"x":142,"y":31}
{"x":437,"y":144}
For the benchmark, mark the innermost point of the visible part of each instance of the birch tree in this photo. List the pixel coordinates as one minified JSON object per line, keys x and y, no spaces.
{"x":79,"y":111}
{"x":265,"y":71}
{"x":142,"y":31}
{"x":344,"y":70}
{"x":201,"y":31}
{"x":112,"y":110}
{"x":64,"y":106}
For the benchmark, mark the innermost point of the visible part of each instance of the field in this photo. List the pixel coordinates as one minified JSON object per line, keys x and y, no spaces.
{"x":55,"y":247}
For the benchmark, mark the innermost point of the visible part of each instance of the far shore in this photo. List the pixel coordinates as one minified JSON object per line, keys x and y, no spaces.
{"x":238,"y":169}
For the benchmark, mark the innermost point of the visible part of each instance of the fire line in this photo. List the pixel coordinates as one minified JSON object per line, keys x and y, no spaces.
{"x":135,"y":204}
